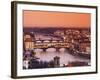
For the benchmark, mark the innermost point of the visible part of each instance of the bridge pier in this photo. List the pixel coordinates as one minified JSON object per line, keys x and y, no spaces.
{"x":57,"y":49}
{"x":66,"y":49}
{"x":44,"y":49}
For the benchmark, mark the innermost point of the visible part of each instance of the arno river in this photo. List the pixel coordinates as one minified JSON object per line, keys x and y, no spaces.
{"x":50,"y":53}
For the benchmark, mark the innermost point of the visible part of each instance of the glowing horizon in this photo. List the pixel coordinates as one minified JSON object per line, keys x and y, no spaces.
{"x":46,"y":19}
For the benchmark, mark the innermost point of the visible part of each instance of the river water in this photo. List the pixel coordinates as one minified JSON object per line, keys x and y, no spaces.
{"x":50,"y":53}
{"x":65,"y":57}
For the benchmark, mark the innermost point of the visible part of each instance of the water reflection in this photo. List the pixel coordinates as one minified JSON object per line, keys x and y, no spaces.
{"x":65,"y":56}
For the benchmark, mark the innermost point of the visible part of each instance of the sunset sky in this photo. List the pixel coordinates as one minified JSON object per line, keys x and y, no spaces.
{"x":56,"y":19}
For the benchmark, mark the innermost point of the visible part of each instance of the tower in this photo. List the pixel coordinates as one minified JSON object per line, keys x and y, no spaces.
{"x":56,"y":61}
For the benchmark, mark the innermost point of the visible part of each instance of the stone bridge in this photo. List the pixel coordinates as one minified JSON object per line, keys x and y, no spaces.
{"x":45,"y":44}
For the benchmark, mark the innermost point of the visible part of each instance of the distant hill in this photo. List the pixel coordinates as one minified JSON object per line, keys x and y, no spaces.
{"x":48,"y":30}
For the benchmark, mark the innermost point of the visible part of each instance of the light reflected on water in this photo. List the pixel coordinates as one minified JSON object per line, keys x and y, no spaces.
{"x":65,"y":57}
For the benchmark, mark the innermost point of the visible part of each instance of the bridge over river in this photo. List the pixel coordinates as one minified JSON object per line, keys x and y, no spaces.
{"x":45,"y":44}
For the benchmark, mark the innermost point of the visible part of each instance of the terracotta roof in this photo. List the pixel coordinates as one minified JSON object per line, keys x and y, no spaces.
{"x":26,"y":33}
{"x":28,"y":40}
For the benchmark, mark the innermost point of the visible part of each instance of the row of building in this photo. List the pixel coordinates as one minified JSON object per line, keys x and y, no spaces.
{"x":80,"y":39}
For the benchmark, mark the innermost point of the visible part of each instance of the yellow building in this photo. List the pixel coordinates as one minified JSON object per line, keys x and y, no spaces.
{"x":29,"y":41}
